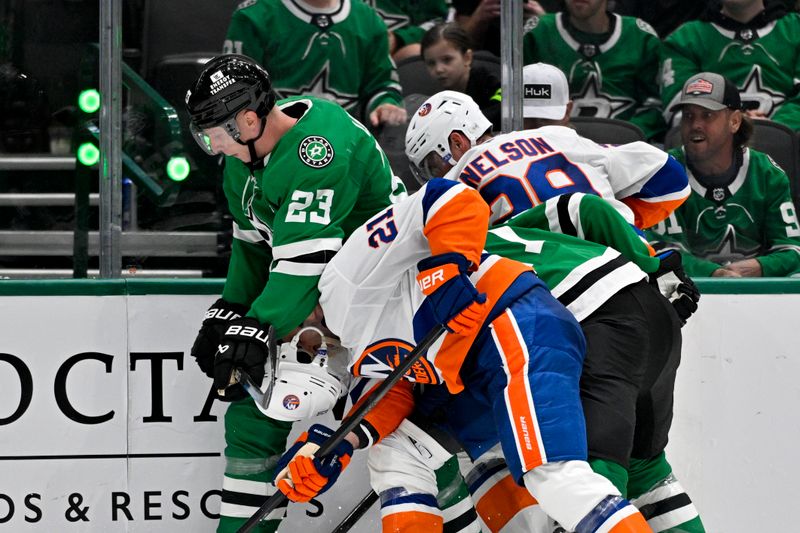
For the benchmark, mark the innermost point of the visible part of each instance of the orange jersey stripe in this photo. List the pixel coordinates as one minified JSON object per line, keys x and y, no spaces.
{"x":459,"y":226}
{"x":634,"y":523}
{"x":520,"y":402}
{"x":500,"y":503}
{"x":647,"y":214}
{"x":454,"y":348}
{"x":412,"y":522}
{"x":391,"y":409}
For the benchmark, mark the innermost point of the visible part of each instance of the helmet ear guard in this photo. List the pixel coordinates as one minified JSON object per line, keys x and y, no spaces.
{"x":303,"y":385}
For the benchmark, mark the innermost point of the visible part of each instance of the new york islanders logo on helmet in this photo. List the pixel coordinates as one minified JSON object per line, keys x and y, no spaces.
{"x":291,"y":402}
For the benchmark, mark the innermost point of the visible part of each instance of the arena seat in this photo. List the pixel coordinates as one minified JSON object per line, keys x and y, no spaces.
{"x":393,"y":141}
{"x":607,"y":130}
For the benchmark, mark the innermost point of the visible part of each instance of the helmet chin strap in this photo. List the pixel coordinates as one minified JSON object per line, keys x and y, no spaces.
{"x":251,"y":145}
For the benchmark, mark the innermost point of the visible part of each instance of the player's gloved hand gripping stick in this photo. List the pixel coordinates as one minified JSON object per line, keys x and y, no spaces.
{"x":351,"y":422}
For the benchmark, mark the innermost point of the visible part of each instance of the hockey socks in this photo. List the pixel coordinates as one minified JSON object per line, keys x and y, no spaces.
{"x":660,"y":497}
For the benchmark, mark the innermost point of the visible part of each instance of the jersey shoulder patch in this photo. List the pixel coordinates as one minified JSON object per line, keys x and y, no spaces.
{"x":315,"y":151}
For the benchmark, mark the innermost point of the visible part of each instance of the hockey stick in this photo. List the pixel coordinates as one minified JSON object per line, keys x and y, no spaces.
{"x":350,"y":423}
{"x":357,"y":512}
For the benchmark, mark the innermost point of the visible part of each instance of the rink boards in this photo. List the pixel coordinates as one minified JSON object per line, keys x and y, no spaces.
{"x":106,"y":423}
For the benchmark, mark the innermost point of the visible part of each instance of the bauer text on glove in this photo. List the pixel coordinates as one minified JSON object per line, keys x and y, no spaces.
{"x":450,"y":295}
{"x":244,"y":346}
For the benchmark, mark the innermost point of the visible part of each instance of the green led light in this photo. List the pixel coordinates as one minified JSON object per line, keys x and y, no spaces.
{"x":89,"y":100}
{"x":88,"y":154}
{"x":178,"y":168}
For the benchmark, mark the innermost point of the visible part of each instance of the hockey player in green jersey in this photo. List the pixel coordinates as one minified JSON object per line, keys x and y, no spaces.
{"x":611,"y":62}
{"x":739,"y":220}
{"x":752,"y":45}
{"x":336,"y":49}
{"x":300,"y":175}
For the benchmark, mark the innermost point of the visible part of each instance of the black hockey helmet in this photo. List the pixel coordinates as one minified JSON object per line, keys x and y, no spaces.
{"x":228,"y":84}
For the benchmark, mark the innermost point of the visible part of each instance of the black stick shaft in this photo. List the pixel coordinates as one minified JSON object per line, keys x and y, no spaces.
{"x":358,"y":511}
{"x":352,"y":421}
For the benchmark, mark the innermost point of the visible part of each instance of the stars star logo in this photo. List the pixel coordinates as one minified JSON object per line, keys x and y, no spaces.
{"x":320,"y":86}
{"x":755,"y":94}
{"x":393,"y":21}
{"x":592,"y":102}
{"x":729,"y":249}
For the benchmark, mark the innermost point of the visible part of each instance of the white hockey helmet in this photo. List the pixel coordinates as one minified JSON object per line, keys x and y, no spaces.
{"x":304,"y":385}
{"x":430,"y":128}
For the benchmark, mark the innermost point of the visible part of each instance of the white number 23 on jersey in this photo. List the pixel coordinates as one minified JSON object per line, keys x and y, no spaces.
{"x":311,"y":207}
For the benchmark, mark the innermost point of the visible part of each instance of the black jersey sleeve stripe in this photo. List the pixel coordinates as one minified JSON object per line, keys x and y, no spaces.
{"x":564,"y":218}
{"x":320,"y":257}
{"x":590,"y":279}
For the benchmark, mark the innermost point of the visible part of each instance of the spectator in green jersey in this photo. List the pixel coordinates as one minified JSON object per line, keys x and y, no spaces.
{"x":739,"y":220}
{"x":753,"y":43}
{"x":407,"y":21}
{"x":611,"y":62}
{"x":336,"y":49}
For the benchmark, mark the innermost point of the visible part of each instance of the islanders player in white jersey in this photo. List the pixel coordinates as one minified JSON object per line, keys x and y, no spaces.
{"x":449,"y":137}
{"x":512,"y":354}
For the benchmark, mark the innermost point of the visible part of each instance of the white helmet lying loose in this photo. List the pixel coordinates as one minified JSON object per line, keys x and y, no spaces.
{"x":302,"y":385}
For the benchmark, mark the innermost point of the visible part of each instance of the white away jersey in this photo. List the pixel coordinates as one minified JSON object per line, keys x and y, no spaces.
{"x":518,"y":170}
{"x":369,"y":292}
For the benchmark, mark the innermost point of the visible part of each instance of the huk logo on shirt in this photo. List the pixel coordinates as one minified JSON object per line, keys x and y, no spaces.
{"x":315,"y":151}
{"x":537,"y":91}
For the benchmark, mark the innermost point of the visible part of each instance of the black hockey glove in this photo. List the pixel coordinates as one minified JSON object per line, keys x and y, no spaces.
{"x":244,"y":346}
{"x":214,"y":325}
{"x":675,"y":285}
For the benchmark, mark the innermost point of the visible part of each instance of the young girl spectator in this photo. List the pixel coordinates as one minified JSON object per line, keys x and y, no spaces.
{"x":447,"y":51}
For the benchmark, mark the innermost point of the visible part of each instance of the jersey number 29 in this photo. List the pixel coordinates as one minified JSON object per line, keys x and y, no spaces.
{"x":545,"y":178}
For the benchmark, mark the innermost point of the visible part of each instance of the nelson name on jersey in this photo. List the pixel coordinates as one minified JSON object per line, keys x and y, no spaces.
{"x":513,"y":150}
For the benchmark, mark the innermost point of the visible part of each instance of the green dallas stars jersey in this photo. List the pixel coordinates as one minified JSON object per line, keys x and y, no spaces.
{"x":579,"y":245}
{"x":341,"y":55}
{"x":616,"y":78}
{"x":752,"y":217}
{"x":763,"y":62}
{"x":410,"y":19}
{"x":325,"y":177}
